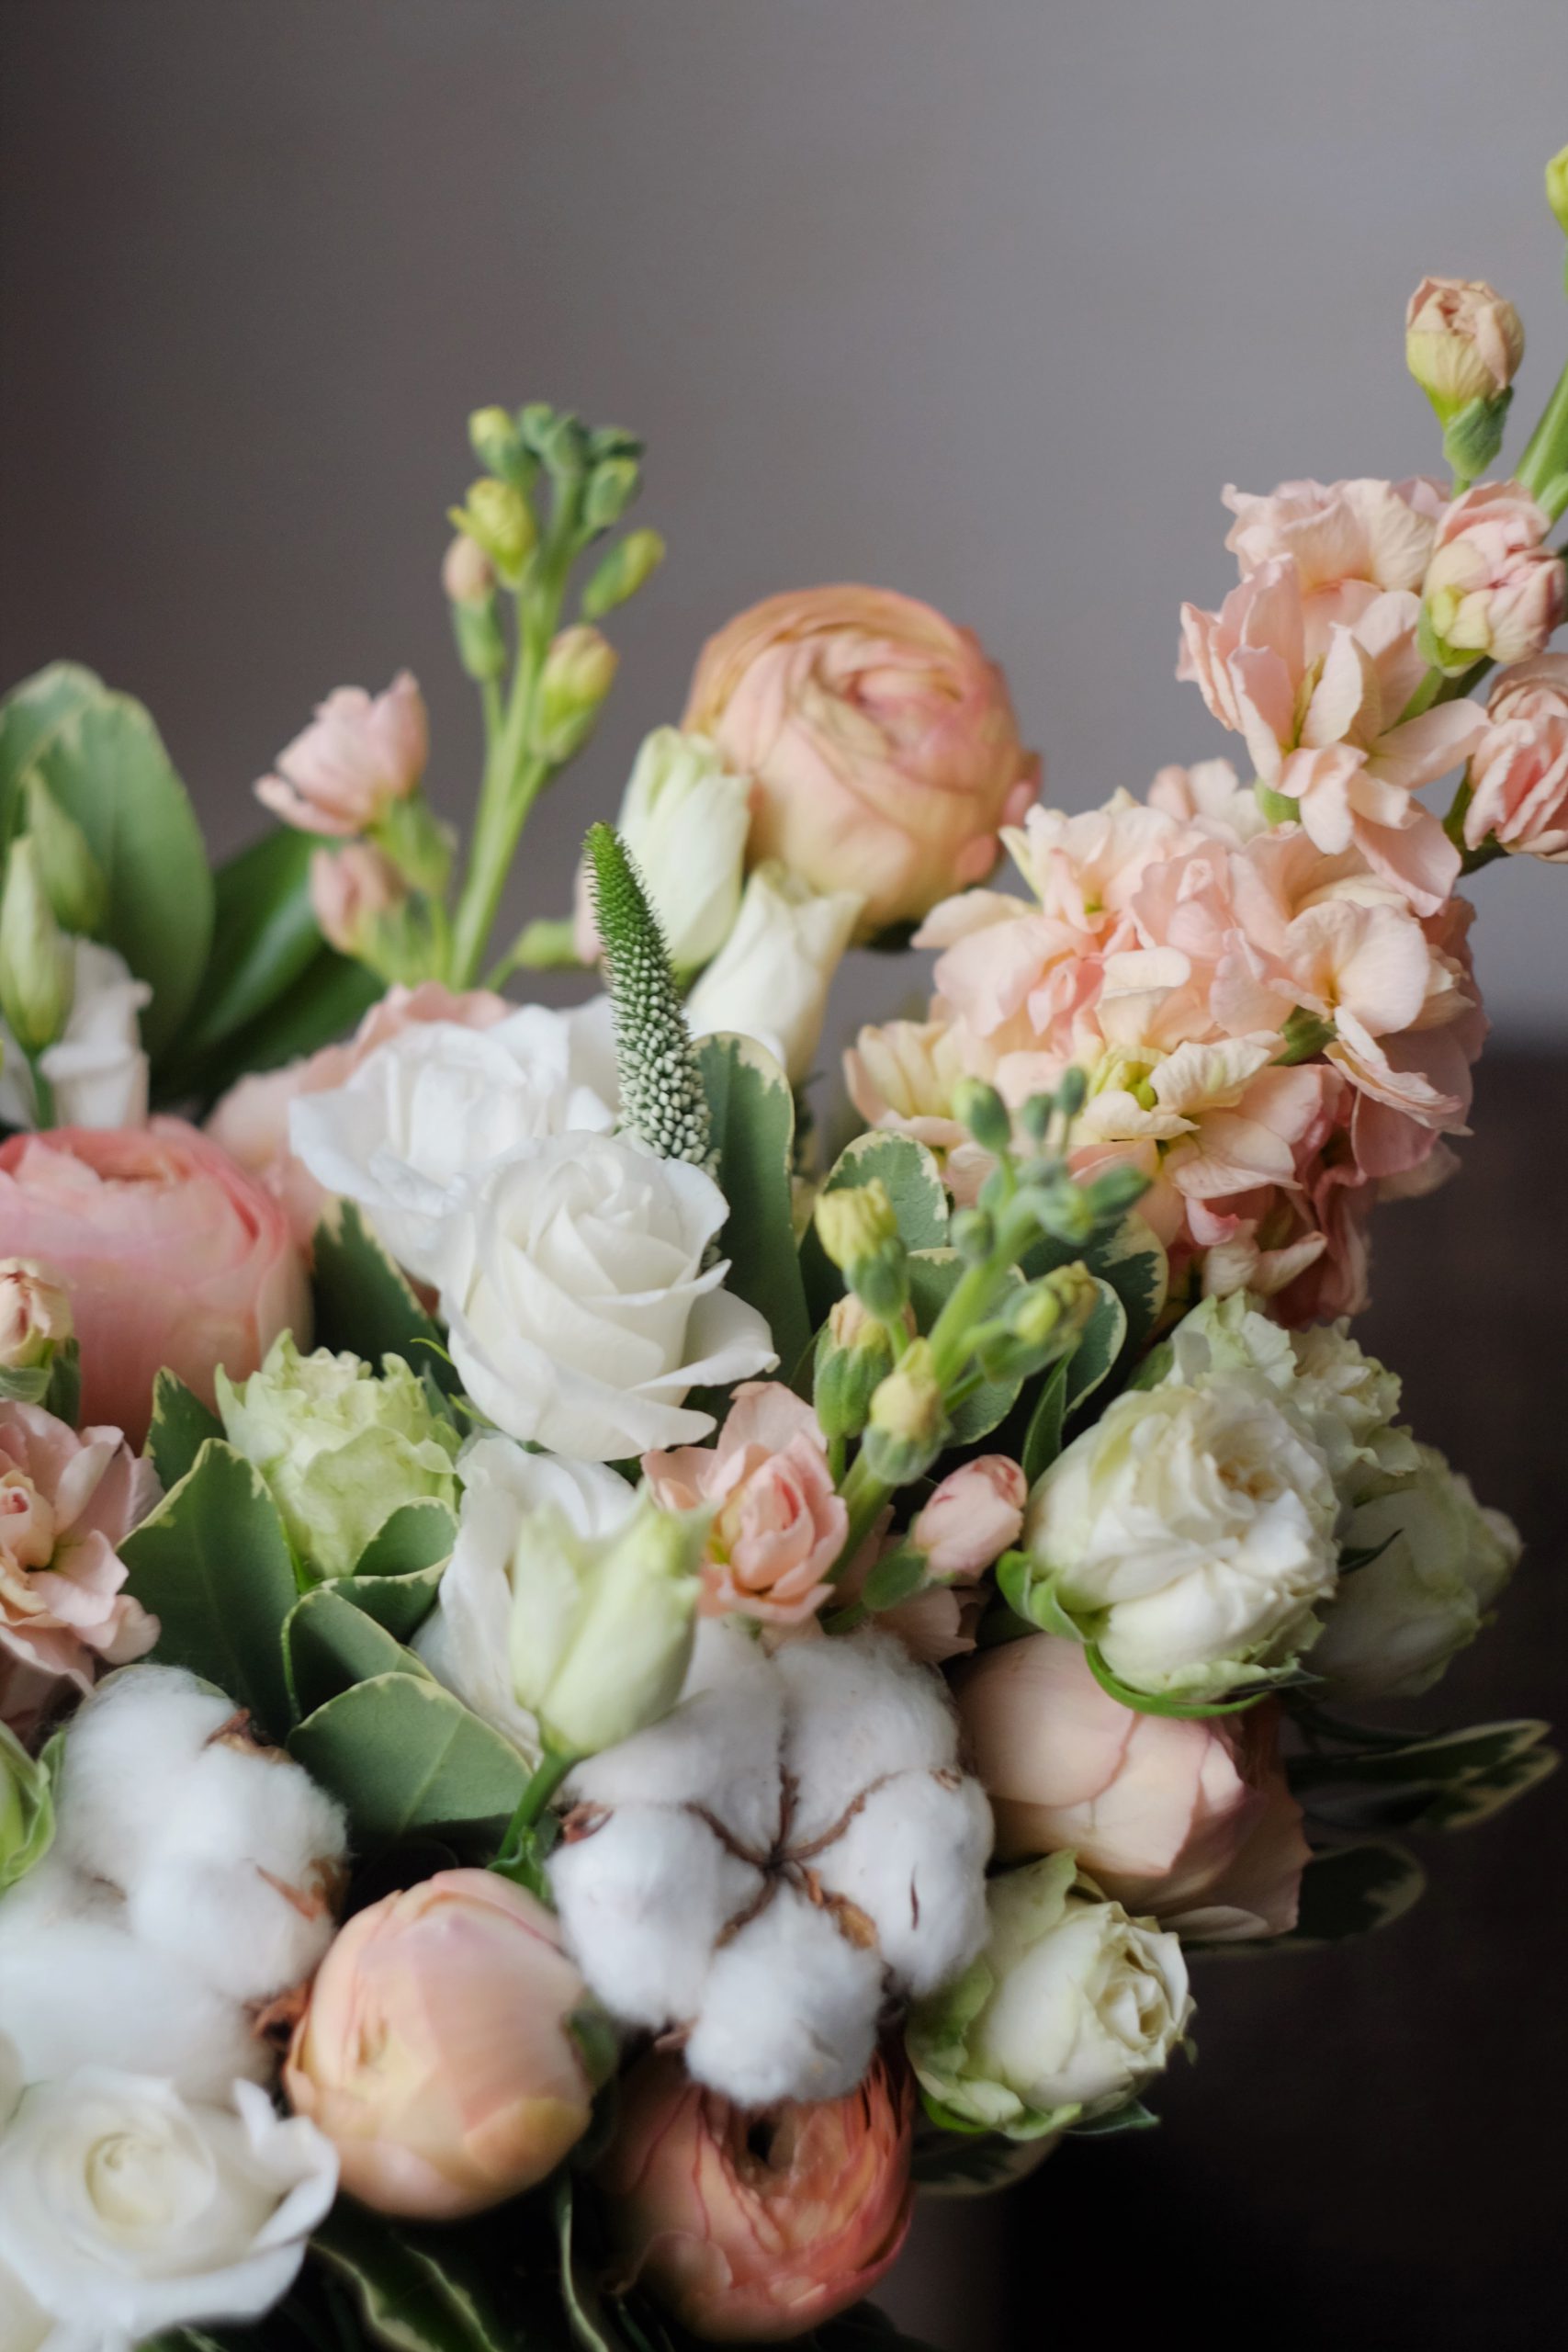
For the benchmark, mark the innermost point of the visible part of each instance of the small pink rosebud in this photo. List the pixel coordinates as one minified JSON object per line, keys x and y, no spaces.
{"x":1462,"y":341}
{"x":975,"y":1515}
{"x":359,"y":754}
{"x":350,"y":889}
{"x":437,"y":2053}
{"x":1518,"y":774}
{"x":778,"y":1524}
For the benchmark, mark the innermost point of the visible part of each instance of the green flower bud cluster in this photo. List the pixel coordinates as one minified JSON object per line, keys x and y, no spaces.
{"x":859,"y":1231}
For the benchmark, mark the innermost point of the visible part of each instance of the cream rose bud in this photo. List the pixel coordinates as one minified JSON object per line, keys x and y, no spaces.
{"x":1464,"y":342}
{"x":126,"y":2210}
{"x":580,"y":1303}
{"x":1398,"y":1619}
{"x":771,"y":978}
{"x":601,"y":1628}
{"x":1191,"y":1535}
{"x":1071,"y":2009}
{"x":685,"y":821}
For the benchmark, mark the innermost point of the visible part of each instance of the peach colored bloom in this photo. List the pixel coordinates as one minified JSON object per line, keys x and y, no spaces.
{"x":778,"y":1525}
{"x":1463,"y":341}
{"x":900,"y":1076}
{"x":976,"y":1515}
{"x":1518,"y":774}
{"x":1189,"y":1819}
{"x":359,"y":753}
{"x":1492,"y":590}
{"x":250,"y":1122}
{"x":66,"y":1501}
{"x":754,"y":2227}
{"x":882,"y":742}
{"x":437,"y":2055}
{"x":1349,"y":540}
{"x":349,"y":890}
{"x":173,"y":1256}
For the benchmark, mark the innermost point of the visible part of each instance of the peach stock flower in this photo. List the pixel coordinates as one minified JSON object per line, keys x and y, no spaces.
{"x":881,"y":739}
{"x":1519,"y":775}
{"x":66,"y":1501}
{"x":754,"y":2226}
{"x":1494,"y":591}
{"x":976,"y":1515}
{"x":359,"y":753}
{"x":437,"y":2053}
{"x":1463,"y":341}
{"x":172,"y":1254}
{"x":349,"y":890}
{"x":778,"y":1525}
{"x":1190,"y":1819}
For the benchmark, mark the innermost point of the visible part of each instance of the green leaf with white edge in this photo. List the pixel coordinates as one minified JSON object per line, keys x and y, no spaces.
{"x":1347,"y":1891}
{"x":913,"y":1181}
{"x":330,"y":1646}
{"x":400,"y":1604}
{"x":1101,"y":1343}
{"x":970,"y":2163}
{"x":265,"y":937}
{"x":934,"y":1275}
{"x":104,"y":763}
{"x":212,"y":1563}
{"x":1134,"y":2116}
{"x":365,"y":1304}
{"x":416,"y":1536}
{"x":1042,"y":1439}
{"x":408,"y":2292}
{"x":1446,"y":1780}
{"x":752,"y":1112}
{"x":1131,"y":1257}
{"x":405,"y":1757}
{"x":181,"y":1427}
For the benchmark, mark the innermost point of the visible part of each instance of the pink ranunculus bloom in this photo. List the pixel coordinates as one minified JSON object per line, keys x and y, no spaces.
{"x":1518,"y":774}
{"x":173,"y":1255}
{"x":754,"y":2227}
{"x":67,"y":1499}
{"x":437,"y":2053}
{"x":350,"y":888}
{"x":1190,"y":1819}
{"x":359,"y":753}
{"x":882,"y":740}
{"x":778,"y":1524}
{"x":1494,"y":591}
{"x":250,"y":1122}
{"x":976,"y":1515}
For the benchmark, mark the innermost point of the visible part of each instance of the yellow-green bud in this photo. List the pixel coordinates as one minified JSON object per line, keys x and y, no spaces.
{"x":981,"y":1109}
{"x":854,"y":1355}
{"x":26,"y":1810}
{"x":630,"y":562}
{"x":36,"y":966}
{"x":602,"y":1626}
{"x":1557,"y":187}
{"x":579,"y":670}
{"x":499,"y":519}
{"x":493,"y":438}
{"x":1463,"y":342}
{"x":611,"y":489}
{"x":77,"y":886}
{"x":909,"y":1419}
{"x":855,"y":1221}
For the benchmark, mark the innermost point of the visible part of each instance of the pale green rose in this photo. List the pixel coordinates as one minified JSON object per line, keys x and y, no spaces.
{"x":26,"y":1810}
{"x":1069,"y":2012}
{"x":340,"y":1449}
{"x":1399,"y":1618}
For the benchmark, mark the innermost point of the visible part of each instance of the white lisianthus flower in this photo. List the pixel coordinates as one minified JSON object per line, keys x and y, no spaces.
{"x":1398,"y":1619}
{"x":126,"y":2209}
{"x":465,"y":1639}
{"x":96,"y":1070}
{"x":438,"y":1104}
{"x":684,"y":819}
{"x":1069,"y":2012}
{"x":579,"y":1305}
{"x":1191,"y":1535}
{"x":771,"y":982}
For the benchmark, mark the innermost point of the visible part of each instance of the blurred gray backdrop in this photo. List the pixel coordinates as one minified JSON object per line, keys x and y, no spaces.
{"x":983,"y":300}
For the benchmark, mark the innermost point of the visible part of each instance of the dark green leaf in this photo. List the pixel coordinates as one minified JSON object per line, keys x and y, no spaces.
{"x":752,"y":1112}
{"x":971,"y":2163}
{"x":1043,"y":1439}
{"x":418,"y":1535}
{"x":1129,"y":1258}
{"x":399,"y":1603}
{"x":1350,"y":1890}
{"x":181,"y":1427}
{"x":893,"y":1578}
{"x":405,"y":1757}
{"x":265,"y":937}
{"x":1100,"y":1345}
{"x":364,"y":1304}
{"x":408,"y":2292}
{"x":331,"y":1646}
{"x":1445,"y":1781}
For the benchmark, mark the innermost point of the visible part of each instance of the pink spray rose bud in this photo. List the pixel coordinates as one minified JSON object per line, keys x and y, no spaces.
{"x":1520,"y":773}
{"x":778,"y":1524}
{"x":1491,"y":589}
{"x":351,"y":890}
{"x":882,"y":740}
{"x":1462,"y":341}
{"x":359,"y":754}
{"x":438,"y":2052}
{"x":66,"y":1500}
{"x":752,"y":2226}
{"x":975,"y":1515}
{"x":35,"y":1314}
{"x":1188,"y":1818}
{"x":173,"y":1254}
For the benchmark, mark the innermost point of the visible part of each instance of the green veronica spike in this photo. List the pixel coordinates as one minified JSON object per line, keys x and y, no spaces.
{"x":661,"y":1088}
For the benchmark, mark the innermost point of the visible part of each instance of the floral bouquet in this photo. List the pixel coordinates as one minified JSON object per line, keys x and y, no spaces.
{"x":591,"y":1690}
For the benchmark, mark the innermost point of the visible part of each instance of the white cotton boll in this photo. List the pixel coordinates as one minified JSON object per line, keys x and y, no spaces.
{"x":914,"y":1860}
{"x":718,"y":1749}
{"x":790,"y":2010}
{"x":129,"y":1755}
{"x":645,"y":1955}
{"x":859,"y":1710}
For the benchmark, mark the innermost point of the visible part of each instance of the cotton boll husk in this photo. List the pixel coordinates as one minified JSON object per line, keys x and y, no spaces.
{"x":859,"y":1710}
{"x":790,"y":2010}
{"x":129,"y":1756}
{"x":913,"y":1859}
{"x":648,"y":1959}
{"x":718,"y":1749}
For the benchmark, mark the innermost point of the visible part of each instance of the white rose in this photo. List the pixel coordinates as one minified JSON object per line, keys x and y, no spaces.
{"x":126,"y":2210}
{"x":684,"y":819}
{"x":96,"y":1070}
{"x":438,"y":1104}
{"x":1071,"y":2009}
{"x":772,"y":979}
{"x":1190,"y":1534}
{"x":580,"y":1303}
{"x":465,"y":1641}
{"x":1397,"y":1620}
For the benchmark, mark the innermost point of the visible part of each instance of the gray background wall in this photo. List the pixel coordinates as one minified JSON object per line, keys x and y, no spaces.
{"x":980,"y":298}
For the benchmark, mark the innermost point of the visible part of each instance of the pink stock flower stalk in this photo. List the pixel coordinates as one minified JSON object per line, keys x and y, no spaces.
{"x":1519,"y":776}
{"x":1494,"y":591}
{"x":359,"y":753}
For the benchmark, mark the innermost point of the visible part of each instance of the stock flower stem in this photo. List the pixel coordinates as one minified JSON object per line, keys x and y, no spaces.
{"x":865,"y":1495}
{"x":1545,"y":460}
{"x":515,"y":1858}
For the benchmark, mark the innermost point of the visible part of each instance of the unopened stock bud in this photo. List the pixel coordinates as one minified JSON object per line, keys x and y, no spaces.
{"x":631,"y":562}
{"x":854,"y":1355}
{"x":36,"y":981}
{"x":579,"y":670}
{"x":500,"y":521}
{"x":909,"y":1419}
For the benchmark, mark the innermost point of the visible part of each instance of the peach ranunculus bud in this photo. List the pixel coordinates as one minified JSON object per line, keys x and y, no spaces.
{"x":1519,"y":776}
{"x":1464,"y":342}
{"x":1186,"y":1818}
{"x":173,"y":1254}
{"x":882,"y":740}
{"x":778,"y":1524}
{"x":975,"y":1515}
{"x":35,"y":1314}
{"x":754,"y":2225}
{"x":1492,"y":590}
{"x":438,"y":2052}
{"x":359,"y":753}
{"x":351,"y":890}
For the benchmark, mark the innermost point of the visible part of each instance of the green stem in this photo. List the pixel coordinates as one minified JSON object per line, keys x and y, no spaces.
{"x":1545,"y":460}
{"x":517,"y":1857}
{"x":865,"y":1497}
{"x":44,"y":1092}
